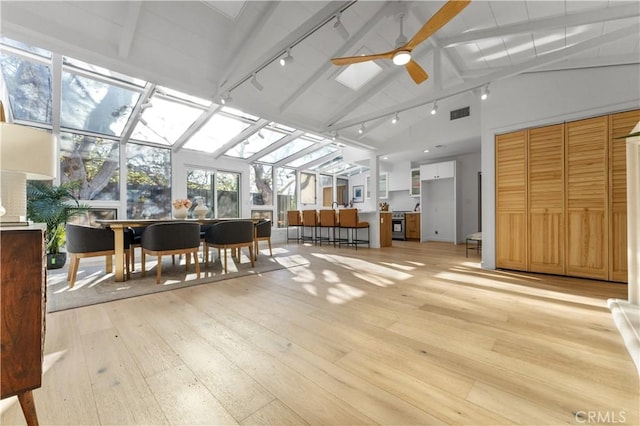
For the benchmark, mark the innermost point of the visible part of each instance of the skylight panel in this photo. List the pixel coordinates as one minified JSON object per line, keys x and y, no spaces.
{"x":287,"y":150}
{"x":239,"y":113}
{"x":25,"y":47}
{"x":357,"y":75}
{"x":328,"y":164}
{"x":312,"y":156}
{"x":29,"y":86}
{"x":314,"y":137}
{"x":161,"y":90}
{"x":255,"y":143}
{"x":283,"y":127}
{"x":164,"y":121}
{"x":219,"y":130}
{"x":94,"y":105}
{"x":102,"y":71}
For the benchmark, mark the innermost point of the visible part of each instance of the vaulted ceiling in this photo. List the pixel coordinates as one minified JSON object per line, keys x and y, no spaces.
{"x":212,"y":49}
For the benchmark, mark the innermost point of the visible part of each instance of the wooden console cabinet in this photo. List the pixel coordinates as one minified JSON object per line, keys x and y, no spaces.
{"x":412,"y":226}
{"x":23,"y":292}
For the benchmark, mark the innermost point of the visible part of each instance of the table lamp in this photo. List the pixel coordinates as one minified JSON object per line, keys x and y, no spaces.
{"x":25,"y":153}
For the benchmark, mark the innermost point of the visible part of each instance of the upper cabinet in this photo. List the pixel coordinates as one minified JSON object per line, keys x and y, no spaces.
{"x":383,"y":185}
{"x":442,"y":170}
{"x":414,"y":189}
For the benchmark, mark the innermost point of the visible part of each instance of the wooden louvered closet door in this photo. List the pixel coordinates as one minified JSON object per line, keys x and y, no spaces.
{"x":620,"y":125}
{"x":546,"y":199}
{"x":511,"y":201}
{"x":586,"y":168}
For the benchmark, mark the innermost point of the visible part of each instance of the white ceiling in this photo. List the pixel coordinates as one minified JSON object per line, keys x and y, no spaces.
{"x":206,"y":48}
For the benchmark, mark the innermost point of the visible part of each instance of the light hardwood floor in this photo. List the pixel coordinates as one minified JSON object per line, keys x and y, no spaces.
{"x":415,"y":334}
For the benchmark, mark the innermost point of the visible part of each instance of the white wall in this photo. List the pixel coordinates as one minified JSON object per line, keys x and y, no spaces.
{"x":540,"y":99}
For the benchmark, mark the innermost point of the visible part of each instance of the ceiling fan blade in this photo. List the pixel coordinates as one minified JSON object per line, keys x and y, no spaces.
{"x":355,"y":59}
{"x":437,"y":21}
{"x":416,"y":72}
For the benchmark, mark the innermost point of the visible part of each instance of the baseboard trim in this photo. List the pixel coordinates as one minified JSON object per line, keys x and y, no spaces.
{"x":626,"y":316}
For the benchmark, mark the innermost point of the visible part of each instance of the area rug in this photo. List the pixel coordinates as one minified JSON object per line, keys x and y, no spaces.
{"x":94,"y":286}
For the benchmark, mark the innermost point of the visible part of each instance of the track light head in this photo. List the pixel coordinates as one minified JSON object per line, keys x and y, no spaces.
{"x":256,"y":83}
{"x":434,"y":109}
{"x":340,"y":27}
{"x":146,"y":105}
{"x":260,"y":134}
{"x":395,"y":118}
{"x":286,"y":60}
{"x":226,"y":98}
{"x":361,"y":129}
{"x":485,"y":93}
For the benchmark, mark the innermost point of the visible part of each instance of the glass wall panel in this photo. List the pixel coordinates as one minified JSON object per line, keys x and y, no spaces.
{"x":148,"y":182}
{"x":89,"y":219}
{"x":261,"y":183}
{"x":228,"y":194}
{"x":93,"y":164}
{"x":200,"y":183}
{"x":342,"y":188}
{"x":29,"y":87}
{"x":95,"y":106}
{"x":307,"y":188}
{"x":286,"y":184}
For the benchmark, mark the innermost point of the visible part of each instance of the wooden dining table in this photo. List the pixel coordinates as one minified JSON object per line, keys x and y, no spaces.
{"x":118,"y":226}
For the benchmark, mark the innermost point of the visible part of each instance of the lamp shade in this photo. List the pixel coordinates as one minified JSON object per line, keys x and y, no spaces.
{"x":25,"y":153}
{"x":27,"y":150}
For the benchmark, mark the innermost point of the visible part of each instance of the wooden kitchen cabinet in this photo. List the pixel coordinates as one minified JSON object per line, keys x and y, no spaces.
{"x":23,"y":286}
{"x":412,"y":226}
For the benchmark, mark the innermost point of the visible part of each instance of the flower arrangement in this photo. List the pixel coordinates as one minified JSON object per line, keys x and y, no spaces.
{"x":186,"y":203}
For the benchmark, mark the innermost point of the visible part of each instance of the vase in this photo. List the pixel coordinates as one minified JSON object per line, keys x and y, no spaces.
{"x":180,"y":212}
{"x":201,"y":210}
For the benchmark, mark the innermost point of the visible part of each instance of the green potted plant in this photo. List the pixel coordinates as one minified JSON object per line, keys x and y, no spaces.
{"x":54,"y":206}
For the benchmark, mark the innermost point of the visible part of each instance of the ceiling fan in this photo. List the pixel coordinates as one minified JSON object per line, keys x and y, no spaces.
{"x":401,"y":55}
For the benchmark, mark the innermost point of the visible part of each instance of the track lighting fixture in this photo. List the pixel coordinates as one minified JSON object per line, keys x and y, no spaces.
{"x":260,"y":134}
{"x":146,"y":105}
{"x":395,"y":118}
{"x":485,"y":93}
{"x":256,"y":83}
{"x":334,"y":136}
{"x":426,"y":150}
{"x":361,"y":129}
{"x":286,"y":60}
{"x":340,"y":28}
{"x":226,"y":98}
{"x":434,"y":109}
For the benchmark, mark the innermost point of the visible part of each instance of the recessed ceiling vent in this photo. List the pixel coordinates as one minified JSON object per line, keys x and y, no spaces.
{"x":460,"y":113}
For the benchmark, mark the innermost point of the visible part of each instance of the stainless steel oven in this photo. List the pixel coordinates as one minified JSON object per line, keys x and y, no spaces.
{"x":397,"y":225}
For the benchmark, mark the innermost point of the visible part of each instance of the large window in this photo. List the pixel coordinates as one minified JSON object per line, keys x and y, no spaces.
{"x":93,"y":164}
{"x":201,"y":183}
{"x":307,"y":188}
{"x":286,"y":184}
{"x":228,"y":194}
{"x":148,"y":182}
{"x":261,"y":183}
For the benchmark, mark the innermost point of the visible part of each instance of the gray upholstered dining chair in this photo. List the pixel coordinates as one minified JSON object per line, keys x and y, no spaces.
{"x":263,"y":233}
{"x":85,"y":241}
{"x":229,"y":234}
{"x":171,"y":238}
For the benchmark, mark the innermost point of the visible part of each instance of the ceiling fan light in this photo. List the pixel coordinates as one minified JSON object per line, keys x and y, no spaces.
{"x":402,"y":57}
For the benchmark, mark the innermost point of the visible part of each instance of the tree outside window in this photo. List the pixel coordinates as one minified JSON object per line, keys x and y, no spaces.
{"x":261,"y":181}
{"x":148,"y":182}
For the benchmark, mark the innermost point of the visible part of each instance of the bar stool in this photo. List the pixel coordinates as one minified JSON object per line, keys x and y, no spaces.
{"x":349,"y":221}
{"x":310,"y":220}
{"x":294,"y":218}
{"x":329,"y":220}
